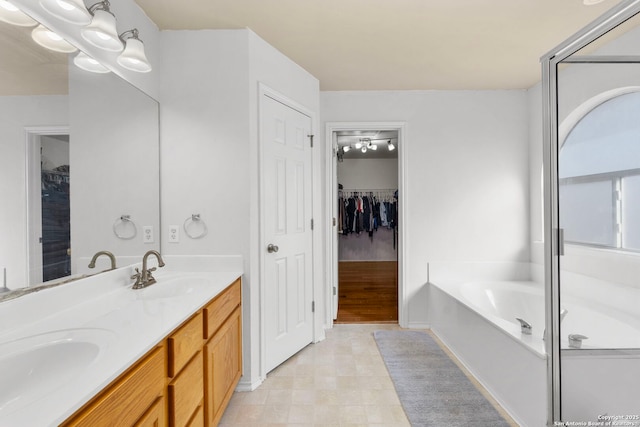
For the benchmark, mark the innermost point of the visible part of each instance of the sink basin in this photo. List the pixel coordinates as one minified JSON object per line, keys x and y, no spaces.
{"x":172,"y":287}
{"x":34,"y":366}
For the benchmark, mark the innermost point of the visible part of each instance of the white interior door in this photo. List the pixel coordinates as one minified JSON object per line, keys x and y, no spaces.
{"x":287,"y":236}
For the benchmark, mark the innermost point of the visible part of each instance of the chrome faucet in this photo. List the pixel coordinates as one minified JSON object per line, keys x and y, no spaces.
{"x":144,"y":278}
{"x":92,"y":264}
{"x":525,"y":327}
{"x":575,"y":340}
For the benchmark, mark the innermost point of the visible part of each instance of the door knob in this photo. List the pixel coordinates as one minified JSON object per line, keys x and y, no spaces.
{"x":272,"y":248}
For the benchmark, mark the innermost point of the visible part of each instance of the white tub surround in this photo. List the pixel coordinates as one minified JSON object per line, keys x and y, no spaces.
{"x":93,"y":329}
{"x":509,"y":364}
{"x":473,"y":308}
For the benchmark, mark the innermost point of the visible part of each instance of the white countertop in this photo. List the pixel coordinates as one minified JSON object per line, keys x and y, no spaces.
{"x":100,"y":312}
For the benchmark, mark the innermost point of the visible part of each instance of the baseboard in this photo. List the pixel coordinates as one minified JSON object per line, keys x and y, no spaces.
{"x":418,"y":325}
{"x":245,"y":384}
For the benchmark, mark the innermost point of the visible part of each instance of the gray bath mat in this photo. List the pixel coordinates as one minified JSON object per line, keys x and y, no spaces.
{"x":433,"y":391}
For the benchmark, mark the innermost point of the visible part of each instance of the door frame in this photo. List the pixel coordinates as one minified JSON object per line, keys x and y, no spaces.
{"x":331,"y":196}
{"x":318,"y":331}
{"x":34,"y":197}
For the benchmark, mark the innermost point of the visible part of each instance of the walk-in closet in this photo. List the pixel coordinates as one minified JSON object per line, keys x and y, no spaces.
{"x":367,"y":226}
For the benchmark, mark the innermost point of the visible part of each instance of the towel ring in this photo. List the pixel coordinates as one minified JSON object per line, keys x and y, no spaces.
{"x":193,"y":221}
{"x":122,"y":224}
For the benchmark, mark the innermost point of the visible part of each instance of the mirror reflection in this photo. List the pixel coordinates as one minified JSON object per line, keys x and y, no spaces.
{"x":79,"y":165}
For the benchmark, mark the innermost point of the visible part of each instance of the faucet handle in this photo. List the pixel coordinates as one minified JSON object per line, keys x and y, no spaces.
{"x":137,"y":275}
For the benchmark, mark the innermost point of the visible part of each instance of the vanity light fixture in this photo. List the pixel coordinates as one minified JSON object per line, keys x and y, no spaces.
{"x":346,"y":148}
{"x":87,"y":63}
{"x":102,"y":32}
{"x":49,"y":39}
{"x":72,"y":11}
{"x":133,"y":57}
{"x":10,"y":14}
{"x":390,"y":146}
{"x":358,"y":145}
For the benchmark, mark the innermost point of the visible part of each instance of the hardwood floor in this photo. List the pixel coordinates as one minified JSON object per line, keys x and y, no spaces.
{"x":367,"y":292}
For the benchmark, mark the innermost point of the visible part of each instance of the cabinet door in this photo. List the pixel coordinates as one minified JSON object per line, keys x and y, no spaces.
{"x":186,"y":393}
{"x":155,"y":416}
{"x":223,"y":360}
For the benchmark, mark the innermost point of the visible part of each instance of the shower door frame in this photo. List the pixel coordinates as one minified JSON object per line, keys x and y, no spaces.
{"x":553,"y":236}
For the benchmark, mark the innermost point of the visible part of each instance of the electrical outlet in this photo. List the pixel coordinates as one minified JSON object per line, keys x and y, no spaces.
{"x":147,"y":234}
{"x":174,"y":234}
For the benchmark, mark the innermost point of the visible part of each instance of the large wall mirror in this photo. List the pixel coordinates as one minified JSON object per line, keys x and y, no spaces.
{"x":79,"y":165}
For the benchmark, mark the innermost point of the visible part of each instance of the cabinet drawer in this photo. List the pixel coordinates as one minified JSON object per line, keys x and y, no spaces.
{"x":129,"y":398}
{"x":184,"y":343}
{"x":186,"y":393}
{"x":221,"y":307}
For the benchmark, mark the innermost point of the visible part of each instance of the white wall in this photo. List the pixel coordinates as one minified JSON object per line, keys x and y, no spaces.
{"x":467,"y":179}
{"x":16,"y":113}
{"x":365,"y":174}
{"x":209,"y":151}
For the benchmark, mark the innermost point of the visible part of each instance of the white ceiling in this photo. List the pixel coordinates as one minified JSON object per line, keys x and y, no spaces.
{"x":397,"y":44}
{"x":27,"y":68}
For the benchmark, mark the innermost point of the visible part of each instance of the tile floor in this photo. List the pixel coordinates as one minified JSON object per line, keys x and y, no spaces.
{"x":341,"y":381}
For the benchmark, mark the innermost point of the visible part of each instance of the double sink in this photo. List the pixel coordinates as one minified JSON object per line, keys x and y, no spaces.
{"x":86,"y":344}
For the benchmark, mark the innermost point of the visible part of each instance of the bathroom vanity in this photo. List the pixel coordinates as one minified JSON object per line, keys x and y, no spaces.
{"x":166,"y":355}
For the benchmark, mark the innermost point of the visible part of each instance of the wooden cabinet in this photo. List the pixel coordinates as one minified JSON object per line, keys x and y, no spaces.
{"x":130,"y":398}
{"x":155,"y":415}
{"x":187,"y":380}
{"x":223,"y":366}
{"x":186,"y":393}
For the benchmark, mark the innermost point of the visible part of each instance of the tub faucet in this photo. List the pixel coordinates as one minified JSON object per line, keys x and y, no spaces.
{"x":144,"y":278}
{"x":575,"y":340}
{"x":92,"y":264}
{"x":525,"y":327}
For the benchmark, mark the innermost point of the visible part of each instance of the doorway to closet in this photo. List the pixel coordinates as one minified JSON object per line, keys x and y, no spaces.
{"x":367,"y":226}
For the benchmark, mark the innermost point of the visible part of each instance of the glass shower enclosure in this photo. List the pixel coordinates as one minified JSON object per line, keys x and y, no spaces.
{"x":591,"y":90}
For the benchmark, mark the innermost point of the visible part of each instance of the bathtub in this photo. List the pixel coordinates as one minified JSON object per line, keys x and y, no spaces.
{"x":605,"y":326}
{"x":476,"y":319}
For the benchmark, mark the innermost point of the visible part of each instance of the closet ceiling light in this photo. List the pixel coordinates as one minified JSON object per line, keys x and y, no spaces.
{"x":101,"y":32}
{"x":87,"y":63}
{"x":133,"y":57}
{"x":14,"y":16}
{"x":390,"y":146}
{"x":72,"y":11}
{"x":47,"y":38}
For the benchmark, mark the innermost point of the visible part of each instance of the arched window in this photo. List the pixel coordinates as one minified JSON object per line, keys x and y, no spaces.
{"x":599,"y":176}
